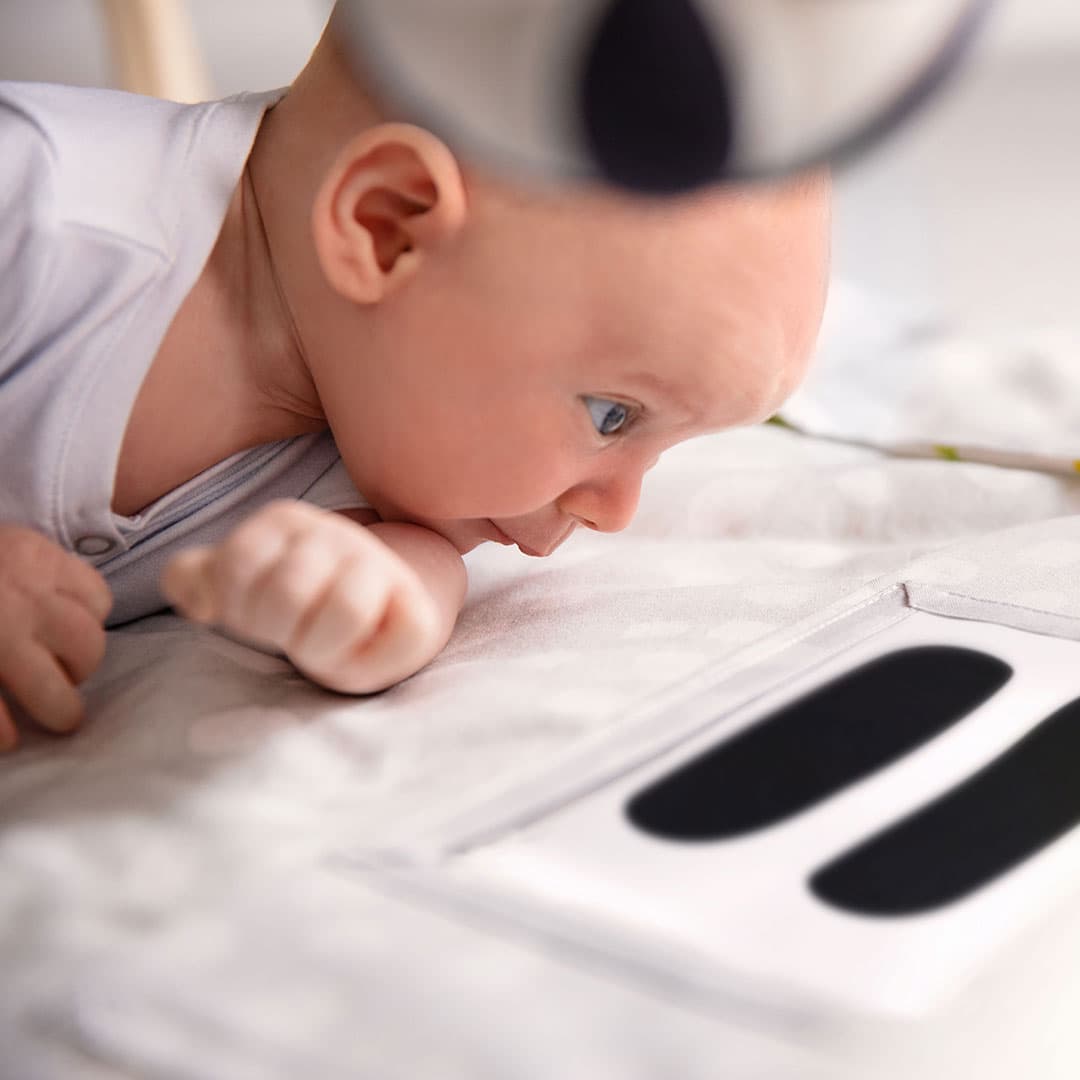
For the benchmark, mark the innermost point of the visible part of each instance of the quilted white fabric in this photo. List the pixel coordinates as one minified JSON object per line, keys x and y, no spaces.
{"x":891,"y":378}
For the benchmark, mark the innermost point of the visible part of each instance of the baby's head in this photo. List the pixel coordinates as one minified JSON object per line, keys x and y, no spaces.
{"x":501,"y":363}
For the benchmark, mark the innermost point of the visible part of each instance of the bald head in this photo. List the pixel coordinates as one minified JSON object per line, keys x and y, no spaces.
{"x":485,"y":348}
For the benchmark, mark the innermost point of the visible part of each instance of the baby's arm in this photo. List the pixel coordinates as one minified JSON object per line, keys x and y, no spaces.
{"x":356,"y":609}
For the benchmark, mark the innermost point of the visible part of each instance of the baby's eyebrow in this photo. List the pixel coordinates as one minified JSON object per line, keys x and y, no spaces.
{"x":666,"y":389}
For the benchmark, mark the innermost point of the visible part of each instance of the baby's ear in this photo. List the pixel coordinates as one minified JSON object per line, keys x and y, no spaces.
{"x":394,"y":195}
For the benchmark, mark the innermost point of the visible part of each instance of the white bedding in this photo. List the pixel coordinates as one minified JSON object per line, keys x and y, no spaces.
{"x":169,"y":902}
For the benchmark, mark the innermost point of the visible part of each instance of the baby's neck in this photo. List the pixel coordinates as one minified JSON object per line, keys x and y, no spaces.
{"x":229,"y":374}
{"x":232,"y":371}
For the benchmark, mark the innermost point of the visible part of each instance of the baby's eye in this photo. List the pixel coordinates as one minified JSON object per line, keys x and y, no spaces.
{"x":608,"y":416}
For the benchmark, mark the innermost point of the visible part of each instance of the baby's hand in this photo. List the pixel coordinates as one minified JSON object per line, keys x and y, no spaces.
{"x":52,"y":635}
{"x":345,"y":609}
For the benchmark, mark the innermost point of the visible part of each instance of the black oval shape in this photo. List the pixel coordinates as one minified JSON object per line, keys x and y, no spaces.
{"x":655,"y":98}
{"x":814,"y":747}
{"x":1020,"y":803}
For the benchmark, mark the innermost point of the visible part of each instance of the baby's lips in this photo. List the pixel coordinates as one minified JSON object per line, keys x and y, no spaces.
{"x":541,"y":552}
{"x":548,"y":549}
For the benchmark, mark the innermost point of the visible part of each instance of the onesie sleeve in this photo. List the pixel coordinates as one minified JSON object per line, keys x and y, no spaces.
{"x":27,"y":167}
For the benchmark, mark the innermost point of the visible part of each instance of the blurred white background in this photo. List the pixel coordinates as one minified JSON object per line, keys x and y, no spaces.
{"x":973,"y":213}
{"x":247,"y":44}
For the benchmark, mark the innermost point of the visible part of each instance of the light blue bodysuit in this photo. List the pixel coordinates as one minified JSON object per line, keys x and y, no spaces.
{"x":110,"y":205}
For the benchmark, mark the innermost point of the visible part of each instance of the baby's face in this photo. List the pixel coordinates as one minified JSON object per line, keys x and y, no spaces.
{"x":524,"y":384}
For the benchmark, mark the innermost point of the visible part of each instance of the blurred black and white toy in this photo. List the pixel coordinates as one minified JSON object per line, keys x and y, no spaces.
{"x":658,"y":95}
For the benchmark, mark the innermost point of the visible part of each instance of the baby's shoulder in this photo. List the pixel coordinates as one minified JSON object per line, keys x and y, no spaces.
{"x":78,"y":171}
{"x":27,"y":209}
{"x":98,"y":155}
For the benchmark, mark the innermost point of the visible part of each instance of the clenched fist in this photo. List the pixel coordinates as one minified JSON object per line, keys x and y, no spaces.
{"x":52,"y":635}
{"x":354,"y":609}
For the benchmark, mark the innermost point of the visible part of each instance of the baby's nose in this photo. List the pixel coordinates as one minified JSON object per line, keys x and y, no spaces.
{"x":605,"y":506}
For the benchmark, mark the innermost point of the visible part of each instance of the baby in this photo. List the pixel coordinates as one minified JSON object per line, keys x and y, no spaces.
{"x":281,"y":361}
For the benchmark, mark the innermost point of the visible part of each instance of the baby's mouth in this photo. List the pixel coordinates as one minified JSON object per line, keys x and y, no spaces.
{"x":508,"y":541}
{"x":532,"y":552}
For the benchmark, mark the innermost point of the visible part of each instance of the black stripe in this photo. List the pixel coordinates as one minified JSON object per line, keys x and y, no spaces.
{"x":812,"y":748}
{"x":1004,"y":814}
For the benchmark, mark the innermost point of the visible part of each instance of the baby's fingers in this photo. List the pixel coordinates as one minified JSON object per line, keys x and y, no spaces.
{"x":224,"y":580}
{"x":85,"y":585}
{"x":344,"y":620}
{"x":374,"y":629}
{"x":188,"y":584}
{"x":74,"y":636}
{"x":37,"y":681}
{"x":291,"y":590}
